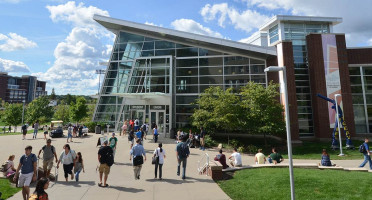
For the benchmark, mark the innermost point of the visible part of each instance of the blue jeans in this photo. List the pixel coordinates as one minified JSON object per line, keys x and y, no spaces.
{"x":184,"y":162}
{"x":367,"y":158}
{"x":35,"y":133}
{"x":77,"y":175}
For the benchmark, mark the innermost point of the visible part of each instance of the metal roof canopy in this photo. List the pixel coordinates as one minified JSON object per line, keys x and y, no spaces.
{"x":185,"y":38}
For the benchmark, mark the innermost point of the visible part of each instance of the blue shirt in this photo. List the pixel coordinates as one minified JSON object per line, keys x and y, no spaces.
{"x":367,"y":147}
{"x":139,"y":134}
{"x":27,"y":163}
{"x":137,"y":150}
{"x":156,"y":132}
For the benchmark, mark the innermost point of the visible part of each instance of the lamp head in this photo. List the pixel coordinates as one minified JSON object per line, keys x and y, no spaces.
{"x":273,"y":69}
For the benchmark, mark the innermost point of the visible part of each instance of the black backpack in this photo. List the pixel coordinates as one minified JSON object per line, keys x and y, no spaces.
{"x":109,"y":158}
{"x":362,"y":148}
{"x":183,"y":150}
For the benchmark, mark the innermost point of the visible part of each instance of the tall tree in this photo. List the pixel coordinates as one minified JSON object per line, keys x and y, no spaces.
{"x":53,"y":95}
{"x":79,"y":109}
{"x":39,"y":109}
{"x":62,"y":112}
{"x":68,"y":98}
{"x":13,"y":114}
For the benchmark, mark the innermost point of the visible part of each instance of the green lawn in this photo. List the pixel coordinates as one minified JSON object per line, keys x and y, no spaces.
{"x":16,"y":133}
{"x":7,"y":189}
{"x":273,"y":183}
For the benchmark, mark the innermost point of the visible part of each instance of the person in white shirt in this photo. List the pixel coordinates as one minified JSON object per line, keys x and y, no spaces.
{"x":68,"y":159}
{"x":159,"y":154}
{"x":237,"y":159}
{"x":9,"y":167}
{"x":260,"y":158}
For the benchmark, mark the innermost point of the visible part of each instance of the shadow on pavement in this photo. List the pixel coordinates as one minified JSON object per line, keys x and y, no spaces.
{"x":125,"y":189}
{"x":120,"y":163}
{"x":180,"y":181}
{"x":74,"y":183}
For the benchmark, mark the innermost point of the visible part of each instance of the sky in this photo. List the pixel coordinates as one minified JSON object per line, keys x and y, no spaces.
{"x":59,"y":42}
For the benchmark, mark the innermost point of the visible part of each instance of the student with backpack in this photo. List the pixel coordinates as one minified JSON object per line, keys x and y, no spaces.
{"x":106,"y":160}
{"x":48,"y":153}
{"x":182,"y":153}
{"x":67,"y":158}
{"x":364,"y":148}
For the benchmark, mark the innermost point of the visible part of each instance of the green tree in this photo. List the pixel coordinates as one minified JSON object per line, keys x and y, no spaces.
{"x":62,"y":112}
{"x":68,"y":98}
{"x":39,"y":109}
{"x":78,"y":110}
{"x":13,"y":114}
{"x":53,"y":95}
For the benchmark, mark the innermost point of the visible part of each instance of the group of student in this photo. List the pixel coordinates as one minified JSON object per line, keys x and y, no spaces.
{"x":27,"y":168}
{"x":193,"y":139}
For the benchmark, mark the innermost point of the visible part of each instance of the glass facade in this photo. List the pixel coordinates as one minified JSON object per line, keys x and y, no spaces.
{"x":296,"y":32}
{"x":361,"y":89}
{"x":142,"y":65}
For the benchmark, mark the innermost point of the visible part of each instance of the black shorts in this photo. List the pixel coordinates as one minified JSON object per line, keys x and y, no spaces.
{"x":24,"y":132}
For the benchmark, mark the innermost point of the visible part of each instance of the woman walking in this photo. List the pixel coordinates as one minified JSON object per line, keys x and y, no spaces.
{"x":159,"y":154}
{"x":68,"y":158}
{"x":124,"y":128}
{"x":79,"y":165}
{"x":41,"y":186}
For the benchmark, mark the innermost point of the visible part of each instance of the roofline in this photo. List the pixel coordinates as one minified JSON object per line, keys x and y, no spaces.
{"x":276,"y":18}
{"x":180,"y":36}
{"x":362,"y":47}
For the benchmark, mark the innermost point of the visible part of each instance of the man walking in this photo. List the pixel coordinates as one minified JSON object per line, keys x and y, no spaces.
{"x":113,"y":142}
{"x":137,"y":152}
{"x":367,"y":155}
{"x":70,"y":129}
{"x":48,"y":153}
{"x":201,"y":136}
{"x":106,"y":159}
{"x":36,"y":128}
{"x":27,"y":165}
{"x":24,"y":131}
{"x":182,"y":153}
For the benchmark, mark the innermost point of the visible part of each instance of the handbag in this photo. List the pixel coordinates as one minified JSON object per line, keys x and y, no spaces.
{"x":155,"y":159}
{"x":138,"y":160}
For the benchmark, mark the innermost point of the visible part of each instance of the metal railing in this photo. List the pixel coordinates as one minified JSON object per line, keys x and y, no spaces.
{"x":204,"y":161}
{"x":55,"y":170}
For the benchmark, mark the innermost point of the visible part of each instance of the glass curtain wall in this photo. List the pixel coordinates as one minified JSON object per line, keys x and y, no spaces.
{"x":196,"y":69}
{"x":296,"y":32}
{"x":361,"y":89}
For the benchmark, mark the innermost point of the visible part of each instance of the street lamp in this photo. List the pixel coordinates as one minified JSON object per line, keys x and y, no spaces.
{"x":287,"y":123}
{"x":23,"y":110}
{"x":338,"y":125}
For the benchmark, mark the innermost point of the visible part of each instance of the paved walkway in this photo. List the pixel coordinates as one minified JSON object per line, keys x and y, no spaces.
{"x":121,"y":179}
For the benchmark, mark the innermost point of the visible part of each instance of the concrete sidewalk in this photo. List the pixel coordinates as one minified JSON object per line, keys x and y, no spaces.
{"x":121,"y":179}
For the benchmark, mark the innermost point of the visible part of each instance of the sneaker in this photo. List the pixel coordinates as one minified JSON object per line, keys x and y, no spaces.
{"x":138,"y":177}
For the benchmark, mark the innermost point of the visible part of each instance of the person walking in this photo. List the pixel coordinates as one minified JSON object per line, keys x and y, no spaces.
{"x":106,"y":159}
{"x":113,"y":142}
{"x":136,"y":125}
{"x":70,"y":130}
{"x":40,"y":193}
{"x":131,"y":137}
{"x":67,"y":158}
{"x":156,"y":133}
{"x":366,"y":154}
{"x":159,"y":154}
{"x":202,"y":136}
{"x":28,"y":166}
{"x":182,"y":153}
{"x":137,"y":152}
{"x":124,"y":128}
{"x":24,"y":131}
{"x":79,"y":165}
{"x":49,"y":152}
{"x":45,"y":129}
{"x":36,"y":128}
{"x":75,"y":130}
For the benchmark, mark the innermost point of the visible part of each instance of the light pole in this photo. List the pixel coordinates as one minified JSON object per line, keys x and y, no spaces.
{"x":338,"y":125}
{"x":23,"y":110}
{"x":99,"y":72}
{"x":287,"y":123}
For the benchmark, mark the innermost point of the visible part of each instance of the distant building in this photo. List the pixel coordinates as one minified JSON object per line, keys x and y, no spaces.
{"x":16,"y":89}
{"x":53,"y":103}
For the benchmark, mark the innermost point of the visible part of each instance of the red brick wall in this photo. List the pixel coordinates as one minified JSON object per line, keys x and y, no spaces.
{"x":359,"y":56}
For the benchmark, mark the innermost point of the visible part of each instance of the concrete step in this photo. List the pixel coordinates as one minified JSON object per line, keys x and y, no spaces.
{"x":359,"y":169}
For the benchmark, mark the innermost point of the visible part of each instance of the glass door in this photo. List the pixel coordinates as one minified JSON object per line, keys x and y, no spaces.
{"x":161,"y":124}
{"x":158,"y":118}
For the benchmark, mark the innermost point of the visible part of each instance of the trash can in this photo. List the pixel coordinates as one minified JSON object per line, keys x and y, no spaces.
{"x":98,"y":129}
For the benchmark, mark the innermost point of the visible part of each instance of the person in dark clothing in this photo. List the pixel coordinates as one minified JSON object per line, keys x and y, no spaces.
{"x":367,"y":155}
{"x":103,"y":159}
{"x":81,"y":131}
{"x":222,"y":159}
{"x":326,"y":160}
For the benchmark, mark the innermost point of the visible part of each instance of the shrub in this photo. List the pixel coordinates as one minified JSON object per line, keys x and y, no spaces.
{"x":234,"y":143}
{"x":241,"y":149}
{"x":251,"y":149}
{"x":209,"y":142}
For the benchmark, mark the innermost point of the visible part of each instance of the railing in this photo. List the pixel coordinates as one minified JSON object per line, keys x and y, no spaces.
{"x":204,"y":161}
{"x":55,"y":170}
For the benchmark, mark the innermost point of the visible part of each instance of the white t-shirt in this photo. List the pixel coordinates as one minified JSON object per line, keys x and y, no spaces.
{"x":160,"y":154}
{"x":260,"y":158}
{"x":9,"y":166}
{"x":67,"y":159}
{"x":237,"y":158}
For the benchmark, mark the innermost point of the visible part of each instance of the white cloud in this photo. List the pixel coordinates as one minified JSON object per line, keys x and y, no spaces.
{"x":14,"y":42}
{"x":356,"y":15}
{"x":13,"y":66}
{"x":246,"y":20}
{"x":189,"y":25}
{"x":78,"y":56}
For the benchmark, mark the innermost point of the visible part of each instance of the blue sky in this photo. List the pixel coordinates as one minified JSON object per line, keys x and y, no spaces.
{"x":59,"y":42}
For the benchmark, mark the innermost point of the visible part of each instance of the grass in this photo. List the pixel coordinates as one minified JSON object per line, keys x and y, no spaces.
{"x":7,"y":189}
{"x":270,"y":183}
{"x":16,"y":133}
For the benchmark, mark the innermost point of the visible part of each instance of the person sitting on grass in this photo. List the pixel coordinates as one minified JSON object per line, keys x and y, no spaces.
{"x":275,"y":157}
{"x":237,"y":159}
{"x":326,"y":160}
{"x":260,"y":158}
{"x":222,"y":159}
{"x":9,"y":167}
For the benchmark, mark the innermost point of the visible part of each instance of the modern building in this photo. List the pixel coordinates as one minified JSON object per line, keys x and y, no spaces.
{"x":154,"y":73}
{"x":18,"y":89}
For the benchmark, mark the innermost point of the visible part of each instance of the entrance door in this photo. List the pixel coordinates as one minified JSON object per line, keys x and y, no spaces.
{"x":158,"y":118}
{"x":138,"y":114}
